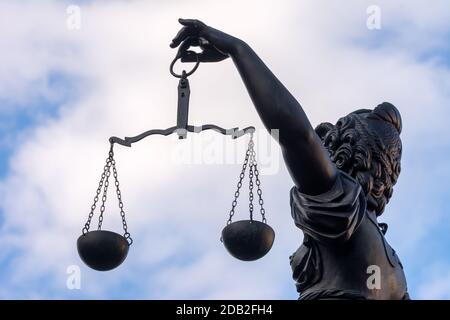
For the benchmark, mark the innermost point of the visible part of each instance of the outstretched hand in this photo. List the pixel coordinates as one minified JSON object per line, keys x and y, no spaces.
{"x":216,"y":45}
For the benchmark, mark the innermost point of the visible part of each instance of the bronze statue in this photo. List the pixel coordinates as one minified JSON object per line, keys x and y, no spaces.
{"x":343,"y":174}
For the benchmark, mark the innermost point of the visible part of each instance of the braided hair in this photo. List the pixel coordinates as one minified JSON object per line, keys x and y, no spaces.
{"x":366,"y":144}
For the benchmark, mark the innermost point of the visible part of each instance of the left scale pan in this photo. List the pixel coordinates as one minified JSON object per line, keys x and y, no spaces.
{"x":100,"y":249}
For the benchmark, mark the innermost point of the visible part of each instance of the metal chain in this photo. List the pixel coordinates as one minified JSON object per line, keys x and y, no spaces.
{"x":259,"y":192}
{"x":250,"y":182}
{"x":239,"y":185}
{"x":250,"y":161}
{"x":254,"y":169}
{"x":97,"y":194}
{"x":105,"y":189}
{"x":119,"y":198}
{"x":103,"y":184}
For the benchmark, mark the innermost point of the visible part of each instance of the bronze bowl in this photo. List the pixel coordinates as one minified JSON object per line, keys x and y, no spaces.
{"x":102,"y":250}
{"x":248,"y":240}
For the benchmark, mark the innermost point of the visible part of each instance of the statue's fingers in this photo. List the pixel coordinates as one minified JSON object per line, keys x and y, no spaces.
{"x":205,"y":56}
{"x":191,"y":23}
{"x":184,"y":33}
{"x":189,"y":56}
{"x":186,"y":44}
{"x":190,"y":41}
{"x":203,"y":43}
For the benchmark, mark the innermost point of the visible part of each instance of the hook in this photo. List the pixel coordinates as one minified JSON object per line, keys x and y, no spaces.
{"x":185,"y":74}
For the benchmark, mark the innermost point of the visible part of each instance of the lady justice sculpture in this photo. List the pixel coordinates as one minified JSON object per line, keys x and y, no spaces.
{"x":343,"y":174}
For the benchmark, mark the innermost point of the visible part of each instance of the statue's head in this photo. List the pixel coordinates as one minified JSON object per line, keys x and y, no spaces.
{"x":366,"y":144}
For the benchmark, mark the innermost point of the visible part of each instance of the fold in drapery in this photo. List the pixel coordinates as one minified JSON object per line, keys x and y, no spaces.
{"x":329,"y":217}
{"x":333,"y":215}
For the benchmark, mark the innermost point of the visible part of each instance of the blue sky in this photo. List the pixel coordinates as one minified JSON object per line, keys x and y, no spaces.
{"x":64,"y":92}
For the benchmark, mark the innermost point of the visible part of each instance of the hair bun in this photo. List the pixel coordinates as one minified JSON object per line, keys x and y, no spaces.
{"x":389,"y":113}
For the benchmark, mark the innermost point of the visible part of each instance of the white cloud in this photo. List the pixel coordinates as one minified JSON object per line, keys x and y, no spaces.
{"x":120,"y":60}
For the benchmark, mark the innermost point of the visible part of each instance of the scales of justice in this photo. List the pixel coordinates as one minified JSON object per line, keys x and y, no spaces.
{"x":246,"y":240}
{"x":343,"y":176}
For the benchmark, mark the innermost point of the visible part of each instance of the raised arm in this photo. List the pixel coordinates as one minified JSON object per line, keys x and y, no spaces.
{"x":307,"y":160}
